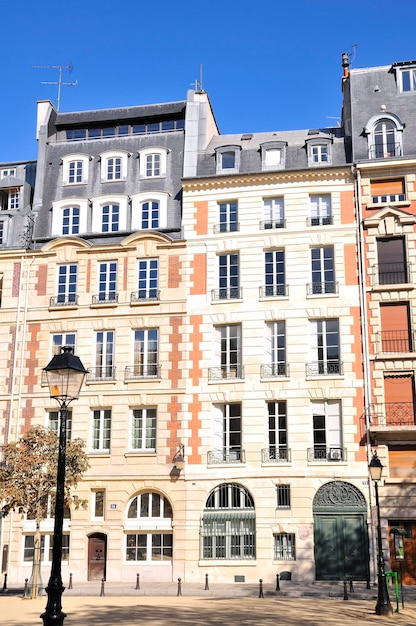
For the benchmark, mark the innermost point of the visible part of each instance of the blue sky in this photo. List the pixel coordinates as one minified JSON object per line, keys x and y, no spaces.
{"x":267,"y":65}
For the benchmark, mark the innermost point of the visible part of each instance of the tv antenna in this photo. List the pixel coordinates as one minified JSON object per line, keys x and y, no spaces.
{"x":58,"y":82}
{"x":353,"y":53}
{"x":197,"y":84}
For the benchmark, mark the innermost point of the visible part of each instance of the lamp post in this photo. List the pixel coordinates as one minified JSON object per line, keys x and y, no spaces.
{"x":65,"y":374}
{"x":383,"y":606}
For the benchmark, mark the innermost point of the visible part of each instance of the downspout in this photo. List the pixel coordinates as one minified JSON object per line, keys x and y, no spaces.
{"x":16,"y":341}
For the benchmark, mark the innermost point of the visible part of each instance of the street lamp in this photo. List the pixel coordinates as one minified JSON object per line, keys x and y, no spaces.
{"x":65,"y":374}
{"x":383,"y":606}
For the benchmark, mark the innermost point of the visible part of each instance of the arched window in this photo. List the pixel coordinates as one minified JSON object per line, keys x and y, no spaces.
{"x":384,"y":137}
{"x":228,"y":524}
{"x":149,"y":535}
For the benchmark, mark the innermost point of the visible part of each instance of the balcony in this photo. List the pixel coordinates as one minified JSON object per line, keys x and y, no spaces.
{"x":385,"y":150}
{"x":221,"y":457}
{"x":394,"y":342}
{"x":322,"y":454}
{"x":230,"y":293}
{"x":106,"y":372}
{"x":226,"y":227}
{"x":320,"y":289}
{"x":274,"y":370}
{"x":62,"y":300}
{"x":324,"y":368}
{"x":270,"y":224}
{"x":110,"y":297}
{"x":392,"y":274}
{"x":274,"y":454}
{"x":324,"y":220}
{"x":139,"y":372}
{"x":392,"y":422}
{"x":144,"y":295}
{"x":274,"y":291}
{"x":226,"y":372}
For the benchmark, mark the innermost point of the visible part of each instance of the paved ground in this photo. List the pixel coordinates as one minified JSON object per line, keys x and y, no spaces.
{"x":225,"y":605}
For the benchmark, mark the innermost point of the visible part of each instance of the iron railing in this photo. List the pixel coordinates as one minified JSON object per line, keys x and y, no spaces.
{"x":385,"y":150}
{"x":226,"y":456}
{"x":392,"y":414}
{"x":273,"y":291}
{"x":144,"y":295}
{"x":273,"y":370}
{"x":70,"y":299}
{"x":226,"y":293}
{"x":276,"y":454}
{"x":394,"y":341}
{"x":105,"y":297}
{"x":136,"y":372}
{"x":226,"y":372}
{"x":105,"y":372}
{"x":226,"y":227}
{"x":328,"y":286}
{"x":331,"y":454}
{"x":392,"y":274}
{"x":319,"y":221}
{"x":269,"y":224}
{"x":324,"y":368}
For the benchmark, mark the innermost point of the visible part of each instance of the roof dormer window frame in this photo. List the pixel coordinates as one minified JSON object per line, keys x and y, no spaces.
{"x":227,"y":159}
{"x":273,"y":155}
{"x":319,"y":151}
{"x":114,"y":165}
{"x":75,"y":169}
{"x":384,"y":135}
{"x":149,"y":166}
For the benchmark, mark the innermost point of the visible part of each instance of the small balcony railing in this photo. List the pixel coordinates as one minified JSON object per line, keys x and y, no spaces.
{"x":324,"y":220}
{"x":274,"y":291}
{"x":326,"y":287}
{"x":394,"y":342}
{"x":274,"y":370}
{"x":324,"y":368}
{"x":137,"y":372}
{"x":275,"y":454}
{"x":270,"y":224}
{"x":392,"y":414}
{"x":226,"y":456}
{"x":105,"y":297}
{"x":392,"y":274}
{"x":229,"y":293}
{"x":145,"y":295}
{"x":332,"y":454}
{"x":105,"y":372}
{"x":227,"y":227}
{"x":70,"y":299}
{"x":385,"y":150}
{"x":226,"y":372}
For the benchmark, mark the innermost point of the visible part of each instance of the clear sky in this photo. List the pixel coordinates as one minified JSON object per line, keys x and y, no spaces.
{"x":267,"y":64}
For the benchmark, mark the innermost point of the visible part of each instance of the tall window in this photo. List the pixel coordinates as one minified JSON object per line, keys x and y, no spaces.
{"x":46,"y":548}
{"x":70,"y":220}
{"x":385,"y":140}
{"x":227,"y":434}
{"x":273,"y":213}
{"x":399,"y":396}
{"x":104,"y":355}
{"x":275,"y":350}
{"x":228,"y":213}
{"x":2,"y":238}
{"x":408,"y":79}
{"x":75,"y":174}
{"x":326,"y":417}
{"x":277,"y":414}
{"x":274,"y":273}
{"x":320,"y":210}
{"x":148,"y":279}
{"x":392,"y":267}
{"x":153,"y":165}
{"x":149,"y":522}
{"x":62,"y":339}
{"x":98,"y":504}
{"x":395,"y":336}
{"x":67,"y":283}
{"x":146,"y":349}
{"x":229,"y":525}
{"x":228,"y":341}
{"x":101,"y":430}
{"x":110,"y":218}
{"x":14,"y":199}
{"x":107,"y":281}
{"x":53,"y":423}
{"x":284,"y":547}
{"x":229,"y":278}
{"x":283,"y":496}
{"x":323,"y":270}
{"x":150,"y":215}
{"x":113,"y":168}
{"x":143,"y":429}
{"x":325,"y":348}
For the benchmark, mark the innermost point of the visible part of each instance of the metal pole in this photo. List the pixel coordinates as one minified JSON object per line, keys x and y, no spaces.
{"x":383,"y":606}
{"x":53,"y":615}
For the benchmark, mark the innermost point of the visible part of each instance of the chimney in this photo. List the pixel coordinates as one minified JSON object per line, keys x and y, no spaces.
{"x":345,"y":64}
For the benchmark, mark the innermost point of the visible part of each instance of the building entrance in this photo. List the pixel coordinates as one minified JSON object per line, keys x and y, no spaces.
{"x":97,"y":556}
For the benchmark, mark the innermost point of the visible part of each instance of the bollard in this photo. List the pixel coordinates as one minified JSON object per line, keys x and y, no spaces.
{"x":351,"y":586}
{"x":5,"y":583}
{"x":179,"y":587}
{"x":261,"y":594}
{"x":206,"y":583}
{"x":102,"y":593}
{"x":277,"y":583}
{"x":70,"y":582}
{"x":368,"y":584}
{"x":137,"y":581}
{"x":25,"y":592}
{"x":345,"y":590}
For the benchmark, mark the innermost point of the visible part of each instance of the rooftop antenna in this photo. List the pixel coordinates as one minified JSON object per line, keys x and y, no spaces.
{"x":198,"y":83}
{"x":334,"y":117}
{"x":352,"y":54}
{"x":58,"y":82}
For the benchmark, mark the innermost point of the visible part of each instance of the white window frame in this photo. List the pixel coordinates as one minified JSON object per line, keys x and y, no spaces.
{"x":322,"y":266}
{"x":320,"y":207}
{"x":101,"y":436}
{"x":330,"y":410}
{"x":273,"y":212}
{"x":228,"y":278}
{"x":67,"y":160}
{"x":319,"y":152}
{"x":58,"y":215}
{"x":67,"y":287}
{"x":148,"y":279}
{"x":221,"y":152}
{"x":372,"y":130}
{"x":146,"y":351}
{"x":411,"y":70}
{"x":143,"y":161}
{"x":224,"y":433}
{"x":143,"y":420}
{"x":94,"y":493}
{"x":321,"y":341}
{"x":104,"y":354}
{"x":98,"y":205}
{"x":106,"y":157}
{"x":228,"y":352}
{"x":14,"y":199}
{"x":275,"y":346}
{"x":106,"y":284}
{"x":47,"y":547}
{"x":59,"y":340}
{"x":8,"y":173}
{"x":273,"y":155}
{"x":53,"y":419}
{"x":137,"y":202}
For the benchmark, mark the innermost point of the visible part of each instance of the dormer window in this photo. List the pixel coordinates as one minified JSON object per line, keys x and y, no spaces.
{"x":408,"y":79}
{"x":9,"y":173}
{"x":113,"y":166}
{"x":384,"y":134}
{"x":153,"y":162}
{"x":227,"y":159}
{"x":75,"y":169}
{"x":319,"y":151}
{"x":273,"y":155}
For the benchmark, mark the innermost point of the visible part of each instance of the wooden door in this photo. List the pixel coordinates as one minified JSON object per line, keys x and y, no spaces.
{"x":96,"y":557}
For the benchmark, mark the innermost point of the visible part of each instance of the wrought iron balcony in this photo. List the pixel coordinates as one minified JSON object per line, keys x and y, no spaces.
{"x":269,"y":224}
{"x":145,"y":295}
{"x":324,"y":368}
{"x":320,"y":221}
{"x":230,"y":293}
{"x":137,"y":372}
{"x":106,"y":372}
{"x":226,"y":456}
{"x":326,"y":287}
{"x":226,"y":372}
{"x":385,"y":150}
{"x":274,"y":370}
{"x":276,"y":454}
{"x":394,"y":342}
{"x":392,"y":274}
{"x":333,"y":454}
{"x":274,"y":291}
{"x":105,"y":297}
{"x":392,"y":414}
{"x":70,"y":299}
{"x":226,"y":227}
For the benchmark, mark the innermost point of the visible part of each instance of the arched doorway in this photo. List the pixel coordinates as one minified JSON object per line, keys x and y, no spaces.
{"x":97,"y":556}
{"x":340,"y":532}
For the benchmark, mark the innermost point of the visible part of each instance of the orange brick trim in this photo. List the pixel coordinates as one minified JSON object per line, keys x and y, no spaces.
{"x":347,"y":207}
{"x":351,"y":264}
{"x":32,"y":363}
{"x":16,"y":280}
{"x":174,"y":271}
{"x":201,"y":217}
{"x":41,"y":277}
{"x":175,"y":352}
{"x":199,"y":272}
